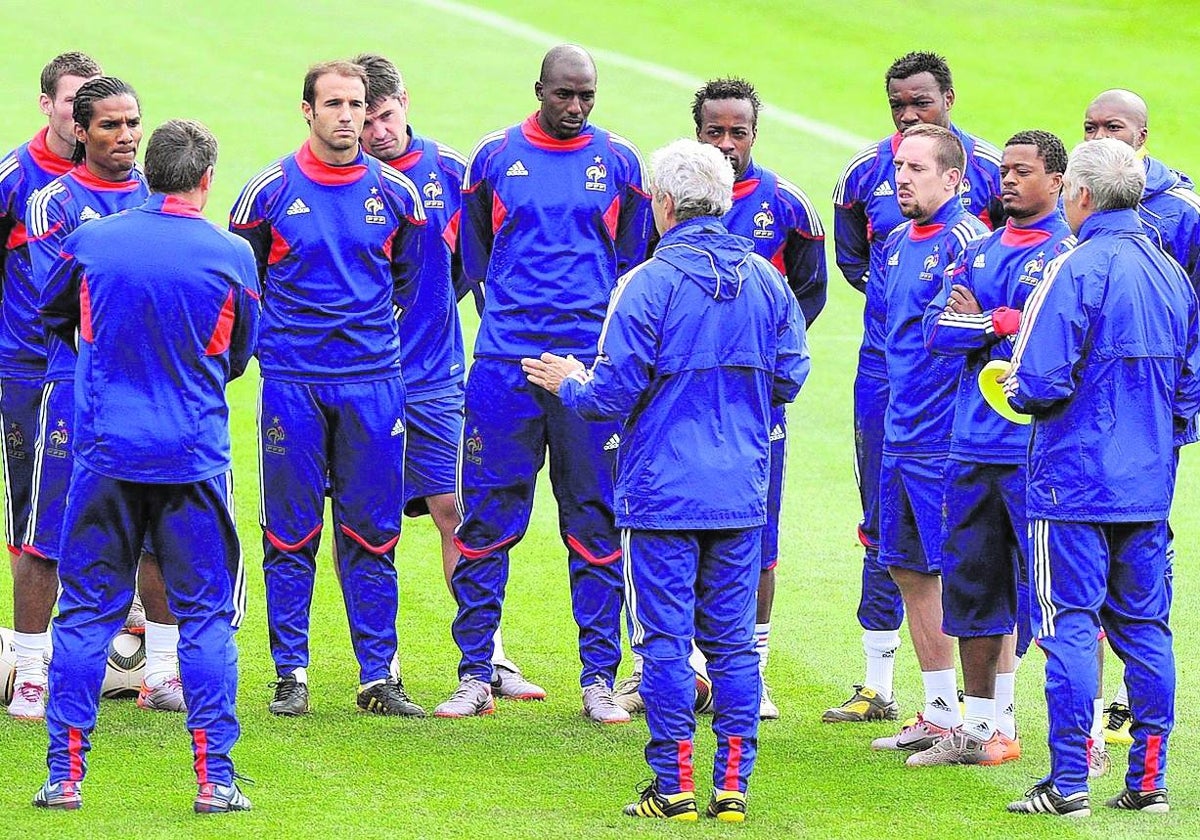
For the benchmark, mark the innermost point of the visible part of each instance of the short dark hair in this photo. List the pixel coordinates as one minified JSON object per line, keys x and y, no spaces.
{"x":67,"y":64}
{"x":1050,"y":149}
{"x":330,"y":68}
{"x":178,"y":155}
{"x":921,"y":62}
{"x":948,"y":150}
{"x":730,"y":88}
{"x":91,"y":92}
{"x":383,"y":79}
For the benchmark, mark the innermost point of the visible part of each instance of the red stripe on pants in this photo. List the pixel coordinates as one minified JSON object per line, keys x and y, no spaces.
{"x":733,"y":763}
{"x":684,"y":759}
{"x":1153,"y":757}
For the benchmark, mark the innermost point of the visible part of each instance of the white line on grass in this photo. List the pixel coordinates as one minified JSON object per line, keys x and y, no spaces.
{"x":509,"y":26}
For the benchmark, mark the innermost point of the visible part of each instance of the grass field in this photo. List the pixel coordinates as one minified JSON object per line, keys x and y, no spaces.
{"x":539,"y":770}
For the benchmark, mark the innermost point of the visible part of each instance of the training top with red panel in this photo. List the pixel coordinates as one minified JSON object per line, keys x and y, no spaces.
{"x":55,"y":211}
{"x":865,"y":212}
{"x":920,"y":410}
{"x":24,"y":171}
{"x":1001,"y":270}
{"x":782,"y":223}
{"x":431,"y":342}
{"x":548,"y":226}
{"x":166,"y":308}
{"x":331,"y":243}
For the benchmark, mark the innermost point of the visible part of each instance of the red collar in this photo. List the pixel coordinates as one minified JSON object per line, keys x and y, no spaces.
{"x":1015,"y":237}
{"x":39,"y":150}
{"x":406,"y":161}
{"x":534,"y":134}
{"x":176,"y":206}
{"x":918,"y":233}
{"x":327,"y":174}
{"x":741,"y":189}
{"x":84,"y":176}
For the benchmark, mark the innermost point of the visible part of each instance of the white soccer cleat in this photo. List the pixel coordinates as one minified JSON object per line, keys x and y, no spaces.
{"x":29,"y":702}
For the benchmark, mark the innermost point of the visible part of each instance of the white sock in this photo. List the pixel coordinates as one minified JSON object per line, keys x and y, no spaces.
{"x":762,"y":635}
{"x":880,"y":646}
{"x":498,"y":657}
{"x":1122,"y":695}
{"x":941,"y":698}
{"x":1097,"y":734}
{"x":697,"y":661}
{"x":1006,"y":704}
{"x":162,"y":653}
{"x":300,"y":675}
{"x":371,"y":684}
{"x":394,"y":666}
{"x":29,"y":650}
{"x":981,"y":716}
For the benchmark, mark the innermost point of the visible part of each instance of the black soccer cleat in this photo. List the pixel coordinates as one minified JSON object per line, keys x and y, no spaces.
{"x":675,"y":806}
{"x":291,"y":697}
{"x":1150,"y":801}
{"x":388,"y":698}
{"x":1044,"y":798}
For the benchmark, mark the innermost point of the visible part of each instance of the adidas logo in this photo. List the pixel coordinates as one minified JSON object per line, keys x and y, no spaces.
{"x":940,"y":704}
{"x":777,"y":433}
{"x":979,"y":262}
{"x":612,"y":443}
{"x":884,"y":189}
{"x":397,"y":429}
{"x":297,"y":207}
{"x":517,"y":168}
{"x":87,"y":214}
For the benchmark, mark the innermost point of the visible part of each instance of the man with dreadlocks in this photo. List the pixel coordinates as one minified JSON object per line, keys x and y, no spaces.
{"x":107,"y":130}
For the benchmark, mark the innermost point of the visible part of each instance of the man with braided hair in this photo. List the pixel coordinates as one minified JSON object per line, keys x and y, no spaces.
{"x":107,"y":129}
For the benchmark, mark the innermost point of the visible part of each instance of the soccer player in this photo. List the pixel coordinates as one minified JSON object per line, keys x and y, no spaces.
{"x":699,"y":343}
{"x":108,"y":129}
{"x":977,"y":315}
{"x":1171,"y":212}
{"x":1107,"y":363}
{"x":553,"y":213}
{"x":24,"y":171}
{"x":165,"y":305}
{"x":920,"y":89}
{"x":333,"y":232}
{"x":431,"y":345}
{"x":929,"y":162}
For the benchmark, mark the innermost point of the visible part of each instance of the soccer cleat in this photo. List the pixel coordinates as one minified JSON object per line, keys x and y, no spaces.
{"x":920,"y":736}
{"x":62,"y":796}
{"x":1150,"y":801}
{"x":1098,"y":761}
{"x":864,"y":705}
{"x":28,"y":702}
{"x":627,"y":694}
{"x":1012,"y":747}
{"x":220,"y":799}
{"x":388,"y":698}
{"x":727,"y":806}
{"x":960,"y":747}
{"x":767,"y":710}
{"x":674,"y":806}
{"x":291,"y":697}
{"x":1044,"y":798}
{"x":135,"y":621}
{"x":167,"y":697}
{"x":511,"y":683}
{"x":599,"y":707}
{"x":472,"y":697}
{"x":1117,"y":718}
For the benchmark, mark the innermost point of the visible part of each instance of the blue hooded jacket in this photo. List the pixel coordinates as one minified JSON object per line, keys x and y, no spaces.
{"x":1107,"y":361}
{"x":698,"y":343}
{"x":1171,"y":211}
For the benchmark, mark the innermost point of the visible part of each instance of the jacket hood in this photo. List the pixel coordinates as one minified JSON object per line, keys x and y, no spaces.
{"x":707,"y":254}
{"x":1160,"y":178}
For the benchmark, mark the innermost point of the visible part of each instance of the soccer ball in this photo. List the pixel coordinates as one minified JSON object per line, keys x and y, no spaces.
{"x":704,"y":698}
{"x":8,"y":666}
{"x":125,"y":666}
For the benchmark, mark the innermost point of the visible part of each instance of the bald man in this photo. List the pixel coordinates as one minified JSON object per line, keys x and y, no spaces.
{"x":553,"y":212}
{"x":1170,"y":210}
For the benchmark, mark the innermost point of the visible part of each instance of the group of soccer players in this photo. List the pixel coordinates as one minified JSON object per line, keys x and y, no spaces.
{"x":364,"y":241}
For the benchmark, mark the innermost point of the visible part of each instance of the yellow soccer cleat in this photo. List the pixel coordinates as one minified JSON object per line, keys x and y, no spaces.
{"x":672,"y":806}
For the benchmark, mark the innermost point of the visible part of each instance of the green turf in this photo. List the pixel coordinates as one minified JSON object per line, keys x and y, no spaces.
{"x":538,"y":769}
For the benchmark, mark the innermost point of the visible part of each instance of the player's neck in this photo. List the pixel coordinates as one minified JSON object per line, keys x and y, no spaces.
{"x":112,"y":176}
{"x":58,"y":146}
{"x":1030,"y":221}
{"x":333,"y":157}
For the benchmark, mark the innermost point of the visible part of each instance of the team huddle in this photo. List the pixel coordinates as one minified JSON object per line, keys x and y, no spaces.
{"x":645,"y":330}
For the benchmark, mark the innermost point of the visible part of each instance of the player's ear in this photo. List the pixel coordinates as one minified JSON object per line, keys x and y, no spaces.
{"x":307,"y":111}
{"x":45,"y":103}
{"x":949,"y":99}
{"x":539,"y":90}
{"x":80,"y":132}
